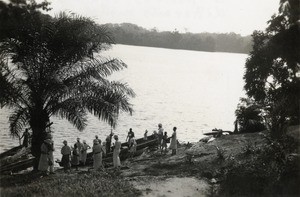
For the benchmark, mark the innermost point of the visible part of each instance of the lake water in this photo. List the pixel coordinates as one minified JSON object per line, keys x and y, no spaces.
{"x":194,"y":91}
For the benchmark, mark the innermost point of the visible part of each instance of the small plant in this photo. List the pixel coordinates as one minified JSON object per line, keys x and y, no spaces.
{"x":250,"y":148}
{"x":220,"y":153}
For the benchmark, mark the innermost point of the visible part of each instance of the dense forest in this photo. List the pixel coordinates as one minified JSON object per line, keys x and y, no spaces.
{"x":131,"y":34}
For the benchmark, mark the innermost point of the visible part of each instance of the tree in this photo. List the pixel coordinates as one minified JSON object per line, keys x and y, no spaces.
{"x":248,"y":116}
{"x":272,"y":67}
{"x":53,"y":67}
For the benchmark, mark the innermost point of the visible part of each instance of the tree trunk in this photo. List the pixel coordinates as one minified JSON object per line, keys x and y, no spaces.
{"x":38,"y":125}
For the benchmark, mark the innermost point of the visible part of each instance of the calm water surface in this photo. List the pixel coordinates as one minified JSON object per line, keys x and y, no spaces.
{"x":194,"y":91}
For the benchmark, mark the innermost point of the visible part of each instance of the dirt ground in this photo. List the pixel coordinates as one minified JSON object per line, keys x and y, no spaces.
{"x":194,"y":171}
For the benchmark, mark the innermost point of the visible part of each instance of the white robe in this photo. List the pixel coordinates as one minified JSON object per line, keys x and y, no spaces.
{"x":173,"y":144}
{"x":116,"y":153}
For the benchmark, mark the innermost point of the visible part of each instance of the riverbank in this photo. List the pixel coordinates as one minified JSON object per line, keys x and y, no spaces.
{"x":231,"y":165}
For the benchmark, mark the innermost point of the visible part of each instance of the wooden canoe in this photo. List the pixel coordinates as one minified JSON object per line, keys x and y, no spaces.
{"x":26,"y":163}
{"x":217,"y":132}
{"x":18,"y":166}
{"x":10,"y":152}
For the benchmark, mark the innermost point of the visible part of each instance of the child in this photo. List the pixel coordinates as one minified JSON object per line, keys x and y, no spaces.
{"x":164,"y":142}
{"x":132,"y":147}
{"x":145,"y":135}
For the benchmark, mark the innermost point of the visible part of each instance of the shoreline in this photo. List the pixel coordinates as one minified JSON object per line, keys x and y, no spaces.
{"x":201,"y":167}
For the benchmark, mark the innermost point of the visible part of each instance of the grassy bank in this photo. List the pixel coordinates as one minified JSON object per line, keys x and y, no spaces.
{"x":62,"y":184}
{"x":234,"y":165}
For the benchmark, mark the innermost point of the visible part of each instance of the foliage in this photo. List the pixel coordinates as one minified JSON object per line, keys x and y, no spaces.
{"x":248,"y":116}
{"x":272,"y":67}
{"x":131,"y":34}
{"x":272,"y":170}
{"x":53,"y":66}
{"x":251,"y":148}
{"x":220,"y":154}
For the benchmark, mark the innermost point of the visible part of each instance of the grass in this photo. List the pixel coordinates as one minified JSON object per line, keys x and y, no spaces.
{"x":81,"y":184}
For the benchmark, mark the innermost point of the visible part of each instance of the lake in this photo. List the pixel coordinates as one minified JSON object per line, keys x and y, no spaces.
{"x":194,"y":91}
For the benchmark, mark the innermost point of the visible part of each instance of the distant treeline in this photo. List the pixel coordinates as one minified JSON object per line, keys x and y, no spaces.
{"x":131,"y":34}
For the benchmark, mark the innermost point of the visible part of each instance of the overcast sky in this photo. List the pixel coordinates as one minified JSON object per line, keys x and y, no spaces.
{"x":221,"y":16}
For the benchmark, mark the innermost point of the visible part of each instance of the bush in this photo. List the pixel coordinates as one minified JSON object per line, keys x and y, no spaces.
{"x":273,"y":171}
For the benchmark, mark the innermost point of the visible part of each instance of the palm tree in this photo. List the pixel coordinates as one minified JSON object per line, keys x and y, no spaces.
{"x":53,"y":67}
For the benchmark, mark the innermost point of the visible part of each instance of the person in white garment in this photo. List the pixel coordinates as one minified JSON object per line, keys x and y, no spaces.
{"x":84,"y":149}
{"x":173,"y":145}
{"x":116,"y":153}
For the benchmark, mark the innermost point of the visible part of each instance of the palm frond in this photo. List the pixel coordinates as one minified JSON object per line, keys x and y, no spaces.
{"x":106,"y":102}
{"x":18,"y":119}
{"x":72,"y":110}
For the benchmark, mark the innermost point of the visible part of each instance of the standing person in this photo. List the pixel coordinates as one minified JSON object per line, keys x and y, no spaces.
{"x":26,"y":136}
{"x":155,"y":134}
{"x":45,"y":160}
{"x":108,"y":142}
{"x":66,"y":153}
{"x":164,"y":142}
{"x":84,"y":149}
{"x":130,"y":135}
{"x":97,"y":155}
{"x":173,"y":145}
{"x":75,"y":156}
{"x":79,"y":146}
{"x":132,"y":147}
{"x":116,"y":153}
{"x":51,"y":156}
{"x":96,"y":138}
{"x":160,"y":135}
{"x":146,"y":135}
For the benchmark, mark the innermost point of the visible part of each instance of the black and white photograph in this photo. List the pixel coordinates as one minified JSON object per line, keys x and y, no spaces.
{"x":150,"y":98}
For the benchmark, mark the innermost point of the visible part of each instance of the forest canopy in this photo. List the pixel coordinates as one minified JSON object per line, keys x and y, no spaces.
{"x":131,"y":34}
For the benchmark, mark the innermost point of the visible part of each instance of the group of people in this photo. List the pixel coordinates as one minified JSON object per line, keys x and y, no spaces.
{"x":78,"y":154}
{"x":163,"y":139}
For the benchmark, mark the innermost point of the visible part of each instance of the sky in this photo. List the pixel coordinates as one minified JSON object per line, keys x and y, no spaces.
{"x":219,"y":16}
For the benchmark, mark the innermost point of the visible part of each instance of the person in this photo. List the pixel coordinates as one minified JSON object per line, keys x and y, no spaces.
{"x":96,"y":138}
{"x":84,"y":149}
{"x":116,"y":152}
{"x":79,"y":146}
{"x":51,"y":156}
{"x":173,"y":145}
{"x":75,"y":156}
{"x":164,"y":142}
{"x":155,"y":134}
{"x":97,"y":155}
{"x":46,"y":158}
{"x":130,"y":135}
{"x":132,"y":147}
{"x":108,"y":142}
{"x":145,"y":135}
{"x":26,"y":136}
{"x":66,"y":153}
{"x":160,"y":135}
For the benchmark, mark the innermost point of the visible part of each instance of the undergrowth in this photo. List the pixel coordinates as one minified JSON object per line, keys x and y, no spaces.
{"x":271,"y":170}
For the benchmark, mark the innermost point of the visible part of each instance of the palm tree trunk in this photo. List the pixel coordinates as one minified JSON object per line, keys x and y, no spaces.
{"x":38,"y":125}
